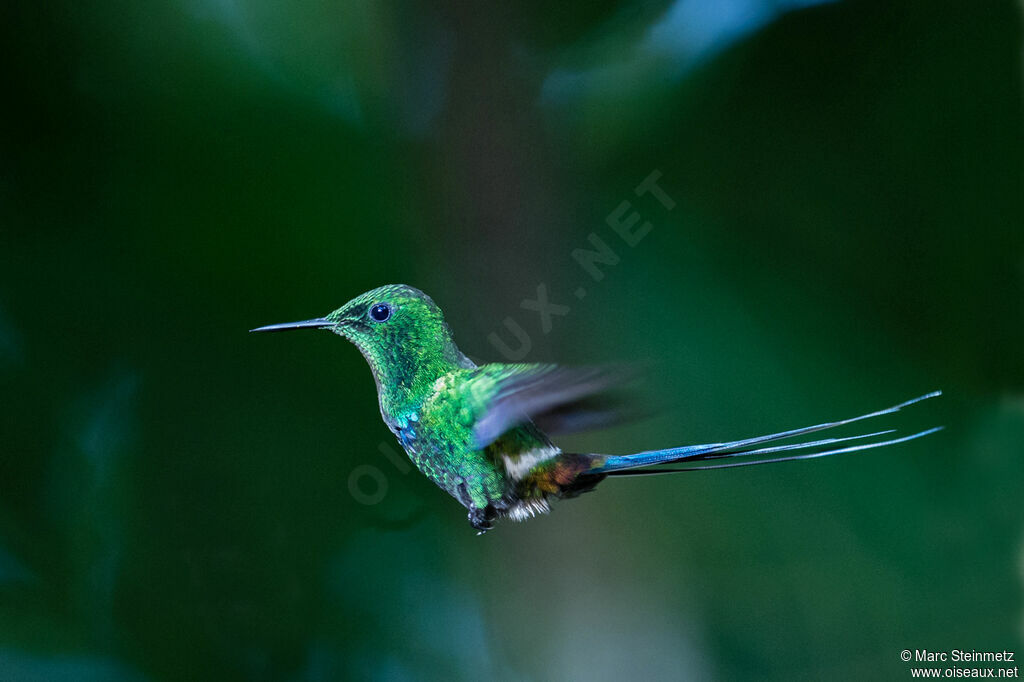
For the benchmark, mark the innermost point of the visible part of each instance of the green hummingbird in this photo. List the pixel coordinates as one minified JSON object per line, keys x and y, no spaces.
{"x":480,"y":432}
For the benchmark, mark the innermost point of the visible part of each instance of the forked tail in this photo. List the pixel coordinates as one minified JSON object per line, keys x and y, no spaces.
{"x":628,"y":465}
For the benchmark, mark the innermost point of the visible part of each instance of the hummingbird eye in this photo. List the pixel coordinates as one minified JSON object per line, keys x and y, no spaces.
{"x":380,"y":312}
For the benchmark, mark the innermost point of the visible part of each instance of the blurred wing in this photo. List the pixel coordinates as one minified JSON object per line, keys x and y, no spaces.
{"x":556,"y":399}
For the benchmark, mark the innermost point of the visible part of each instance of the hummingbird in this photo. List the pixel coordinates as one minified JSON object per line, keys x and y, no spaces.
{"x":481,"y":433}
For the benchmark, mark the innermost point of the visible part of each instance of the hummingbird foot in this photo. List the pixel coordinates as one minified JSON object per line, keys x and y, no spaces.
{"x":482,"y":519}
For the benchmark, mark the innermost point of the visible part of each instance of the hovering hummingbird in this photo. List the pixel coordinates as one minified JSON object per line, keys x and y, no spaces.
{"x":480,"y":432}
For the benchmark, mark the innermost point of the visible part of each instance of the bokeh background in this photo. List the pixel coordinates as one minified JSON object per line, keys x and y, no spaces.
{"x":176,"y":495}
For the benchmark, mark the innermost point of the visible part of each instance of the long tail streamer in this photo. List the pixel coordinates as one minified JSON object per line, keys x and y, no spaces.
{"x":628,"y":465}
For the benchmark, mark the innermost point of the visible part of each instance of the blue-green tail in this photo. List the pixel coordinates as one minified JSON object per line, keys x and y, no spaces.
{"x":633,"y":465}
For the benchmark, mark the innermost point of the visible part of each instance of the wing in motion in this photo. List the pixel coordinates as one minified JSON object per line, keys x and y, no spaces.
{"x":557,"y":399}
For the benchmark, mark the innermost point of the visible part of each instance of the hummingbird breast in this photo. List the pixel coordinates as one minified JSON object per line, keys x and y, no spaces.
{"x":500,"y":476}
{"x":513,"y":476}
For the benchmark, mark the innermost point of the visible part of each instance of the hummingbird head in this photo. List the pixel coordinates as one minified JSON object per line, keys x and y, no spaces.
{"x":402,"y":334}
{"x":391,"y":318}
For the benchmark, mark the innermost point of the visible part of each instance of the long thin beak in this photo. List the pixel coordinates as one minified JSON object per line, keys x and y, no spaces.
{"x":318,"y":323}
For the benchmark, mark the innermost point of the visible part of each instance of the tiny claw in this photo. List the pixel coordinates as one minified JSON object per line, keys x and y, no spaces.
{"x":481,"y":519}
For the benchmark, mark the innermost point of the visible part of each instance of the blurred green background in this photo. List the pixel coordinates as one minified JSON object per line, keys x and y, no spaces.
{"x":176,"y":494}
